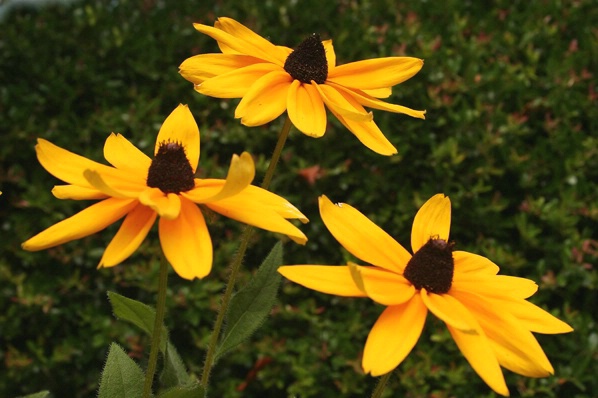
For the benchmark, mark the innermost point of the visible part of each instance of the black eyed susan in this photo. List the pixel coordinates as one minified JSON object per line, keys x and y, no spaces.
{"x":270,"y":79}
{"x":487,"y":314}
{"x":140,"y":189}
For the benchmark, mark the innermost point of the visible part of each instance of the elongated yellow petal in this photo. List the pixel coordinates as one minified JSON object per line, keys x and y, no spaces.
{"x":236,"y":83}
{"x":379,"y":92}
{"x":306,"y":109}
{"x":265,"y":100}
{"x":367,"y":132}
{"x":432,"y":221}
{"x":330,"y":54}
{"x":532,"y":317}
{"x":98,"y":182}
{"x":241,"y":41}
{"x":186,"y":242}
{"x":76,"y":192}
{"x":393,"y":336}
{"x":200,"y":68}
{"x":131,"y":233}
{"x":361,"y":237}
{"x":375,"y":73}
{"x":166,"y":205}
{"x":254,"y":213}
{"x":251,"y":39}
{"x":479,"y":353}
{"x":330,"y":279}
{"x":337,"y":102}
{"x":384,"y":287}
{"x":88,"y":221}
{"x":500,"y":286}
{"x":450,"y":310}
{"x":180,"y":127}
{"x":375,"y":103}
{"x":204,"y":189}
{"x":466,"y":262}
{"x":126,"y":157}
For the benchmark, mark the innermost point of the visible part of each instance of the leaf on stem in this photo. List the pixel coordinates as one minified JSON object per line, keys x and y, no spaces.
{"x":121,"y":377}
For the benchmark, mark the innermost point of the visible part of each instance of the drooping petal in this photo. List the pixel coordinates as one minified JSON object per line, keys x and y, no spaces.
{"x":375,"y":103}
{"x":200,"y":68}
{"x":393,"y":336}
{"x":130,"y":235}
{"x":450,"y":310}
{"x":338,"y":103}
{"x":76,"y":192}
{"x":236,"y":83}
{"x":88,"y":221}
{"x":432,"y":221}
{"x":361,"y":237}
{"x":306,"y":109}
{"x":186,"y":242}
{"x":375,"y":73}
{"x":265,"y":100}
{"x":466,"y":262}
{"x":167,"y":206}
{"x":329,"y":279}
{"x":384,"y":287}
{"x":125,"y":156}
{"x":180,"y":127}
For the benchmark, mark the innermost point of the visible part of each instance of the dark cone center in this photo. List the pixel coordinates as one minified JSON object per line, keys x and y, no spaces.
{"x":308,"y":61}
{"x":431,"y":267}
{"x":170,"y":169}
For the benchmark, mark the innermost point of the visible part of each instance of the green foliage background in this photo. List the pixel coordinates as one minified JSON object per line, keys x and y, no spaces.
{"x":510,"y":136}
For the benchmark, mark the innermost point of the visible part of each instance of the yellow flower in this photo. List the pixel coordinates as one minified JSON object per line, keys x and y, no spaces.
{"x":271,"y":79}
{"x":142,"y":188}
{"x":486,"y":314}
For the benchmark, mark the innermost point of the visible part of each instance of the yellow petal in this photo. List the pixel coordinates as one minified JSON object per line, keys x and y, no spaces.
{"x":477,"y":350}
{"x":251,"y":40}
{"x":186,"y":242}
{"x":384,"y":287}
{"x":432,"y":221}
{"x":306,"y":109}
{"x":202,"y":67}
{"x":375,"y":73}
{"x":330,"y":279}
{"x":534,"y":318}
{"x":375,"y":103}
{"x":130,"y":235}
{"x":367,"y":132}
{"x":379,"y":92}
{"x":242,"y":40}
{"x":88,"y":221}
{"x":393,"y":336}
{"x":77,"y":193}
{"x":97,"y":181}
{"x":361,"y":237}
{"x":466,"y":262}
{"x":125,"y":156}
{"x":180,"y":127}
{"x":450,"y":310}
{"x":330,"y":54}
{"x":265,"y":100}
{"x":236,"y":83}
{"x":339,"y":103}
{"x":166,"y":205}
{"x":500,"y":286}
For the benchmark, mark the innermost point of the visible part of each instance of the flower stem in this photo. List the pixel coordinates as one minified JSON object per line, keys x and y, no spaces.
{"x":381,"y":385}
{"x":157,"y":331}
{"x":238,"y":259}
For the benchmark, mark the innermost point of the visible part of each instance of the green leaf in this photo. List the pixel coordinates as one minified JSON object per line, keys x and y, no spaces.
{"x":139,"y":314}
{"x":41,"y":394}
{"x":193,"y":391}
{"x":251,"y":305}
{"x":174,"y":372}
{"x":122,"y":377}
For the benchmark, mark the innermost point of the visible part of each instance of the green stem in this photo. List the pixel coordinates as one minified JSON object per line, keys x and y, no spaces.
{"x":381,"y":385}
{"x":237,"y":260}
{"x":157,"y":331}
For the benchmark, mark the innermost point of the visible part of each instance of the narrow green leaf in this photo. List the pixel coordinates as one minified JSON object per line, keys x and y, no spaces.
{"x":174,"y":372}
{"x":194,"y":391}
{"x":121,"y":377}
{"x":251,"y":305}
{"x":41,"y":394}
{"x":139,"y":314}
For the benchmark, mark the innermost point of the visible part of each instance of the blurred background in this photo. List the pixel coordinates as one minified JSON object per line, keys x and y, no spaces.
{"x":510,"y":136}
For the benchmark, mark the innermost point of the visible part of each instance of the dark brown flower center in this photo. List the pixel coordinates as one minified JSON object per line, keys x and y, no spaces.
{"x":431,"y":267}
{"x":170,"y":169}
{"x":308,"y":61}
